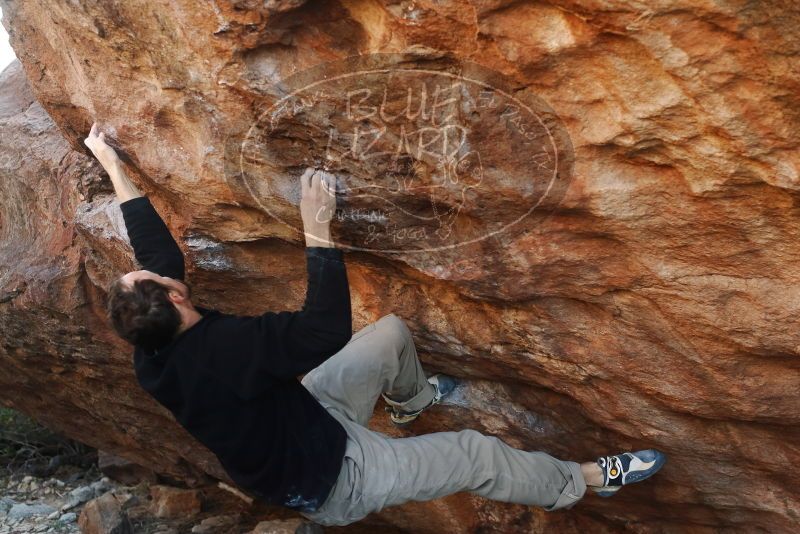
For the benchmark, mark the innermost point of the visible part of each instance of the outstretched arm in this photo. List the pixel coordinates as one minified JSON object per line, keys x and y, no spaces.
{"x":250,"y":352}
{"x":153,"y":245}
{"x":323,"y":325}
{"x":108,"y":158}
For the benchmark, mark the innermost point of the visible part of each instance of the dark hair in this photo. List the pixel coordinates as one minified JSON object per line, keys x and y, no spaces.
{"x":144,"y":315}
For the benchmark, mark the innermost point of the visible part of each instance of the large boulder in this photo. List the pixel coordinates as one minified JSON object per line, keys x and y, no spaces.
{"x":595,"y":224}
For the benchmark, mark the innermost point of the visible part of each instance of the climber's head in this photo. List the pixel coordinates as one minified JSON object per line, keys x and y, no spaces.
{"x":147,"y":309}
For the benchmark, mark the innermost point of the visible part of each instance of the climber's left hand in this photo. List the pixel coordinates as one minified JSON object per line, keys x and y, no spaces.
{"x":104,"y":153}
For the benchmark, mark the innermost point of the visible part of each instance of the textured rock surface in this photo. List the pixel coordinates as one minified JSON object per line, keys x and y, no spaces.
{"x":654,"y":307}
{"x":122,"y":470}
{"x":104,"y":515}
{"x":173,"y":502}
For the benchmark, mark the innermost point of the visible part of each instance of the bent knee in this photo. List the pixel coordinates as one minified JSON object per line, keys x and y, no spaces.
{"x":395,"y":329}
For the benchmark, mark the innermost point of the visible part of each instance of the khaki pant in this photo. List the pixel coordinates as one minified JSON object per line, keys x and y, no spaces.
{"x":379,"y":471}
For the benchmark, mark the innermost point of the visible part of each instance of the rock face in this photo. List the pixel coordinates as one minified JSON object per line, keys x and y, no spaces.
{"x":599,"y":233}
{"x":104,"y":515}
{"x":174,"y":502}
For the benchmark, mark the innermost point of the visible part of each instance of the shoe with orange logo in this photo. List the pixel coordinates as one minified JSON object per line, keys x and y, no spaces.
{"x":627,"y":468}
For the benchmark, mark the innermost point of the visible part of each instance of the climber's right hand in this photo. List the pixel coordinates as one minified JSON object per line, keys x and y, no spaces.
{"x":104,"y":153}
{"x":317,"y":206}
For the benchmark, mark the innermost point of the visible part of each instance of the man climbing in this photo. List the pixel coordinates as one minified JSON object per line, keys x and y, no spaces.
{"x":231,"y":381}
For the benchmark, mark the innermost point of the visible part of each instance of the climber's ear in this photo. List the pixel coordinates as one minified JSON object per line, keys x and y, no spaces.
{"x":178,"y":291}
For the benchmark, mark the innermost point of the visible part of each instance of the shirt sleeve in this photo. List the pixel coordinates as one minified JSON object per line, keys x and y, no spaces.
{"x":153,"y":245}
{"x":322,"y":326}
{"x":249,"y":353}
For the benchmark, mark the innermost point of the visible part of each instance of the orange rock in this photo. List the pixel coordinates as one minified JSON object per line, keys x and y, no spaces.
{"x":651,"y":302}
{"x":104,"y":515}
{"x":174,"y":502}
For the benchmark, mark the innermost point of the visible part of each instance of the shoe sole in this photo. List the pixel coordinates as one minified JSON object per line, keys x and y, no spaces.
{"x":402,"y":423}
{"x":638,"y":476}
{"x":401,"y":420}
{"x":608,"y":492}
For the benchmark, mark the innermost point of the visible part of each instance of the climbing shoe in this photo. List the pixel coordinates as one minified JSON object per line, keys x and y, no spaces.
{"x":443,"y":384}
{"x":627,"y":468}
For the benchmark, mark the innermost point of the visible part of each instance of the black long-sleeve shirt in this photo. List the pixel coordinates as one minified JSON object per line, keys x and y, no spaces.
{"x":231,"y":381}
